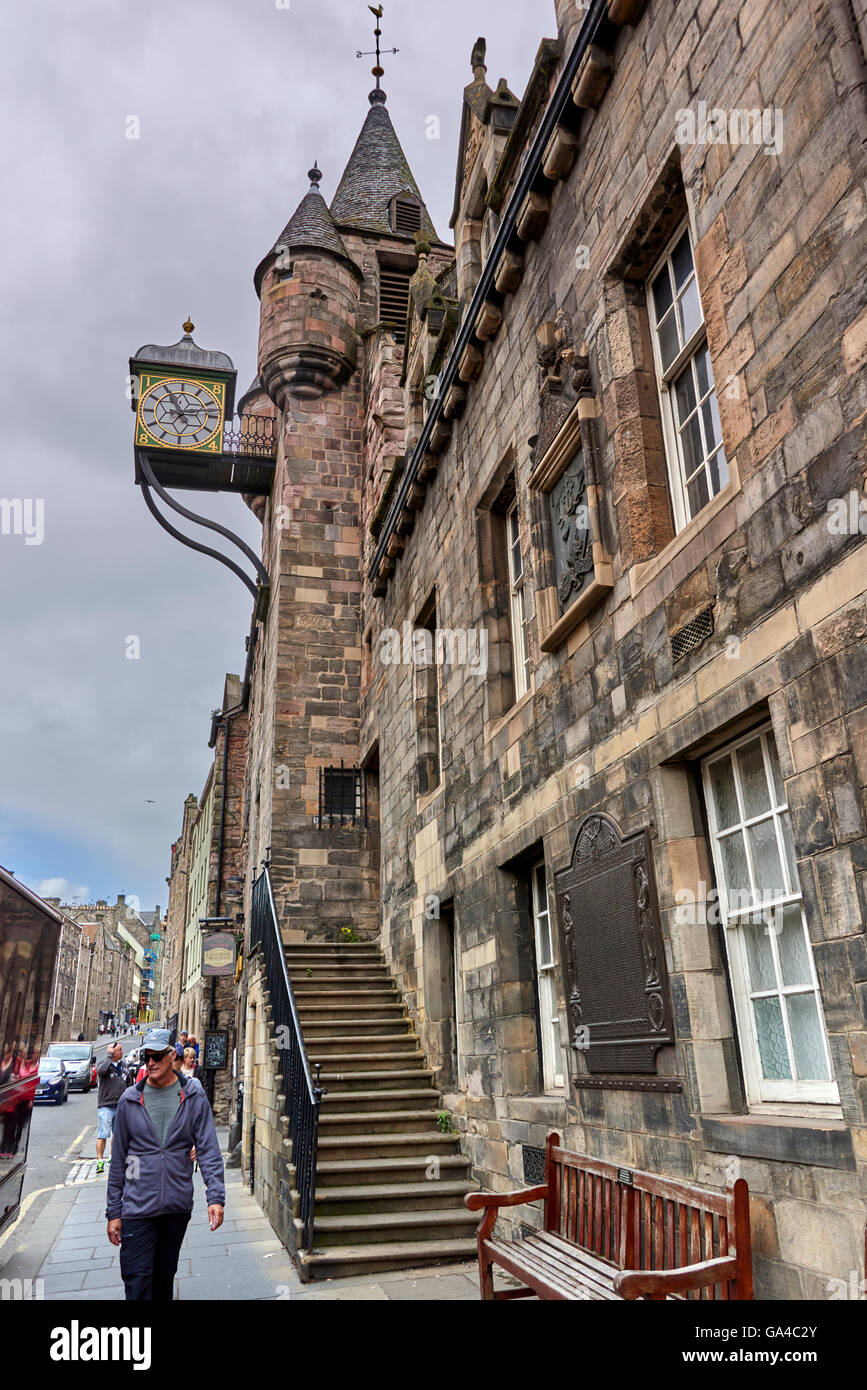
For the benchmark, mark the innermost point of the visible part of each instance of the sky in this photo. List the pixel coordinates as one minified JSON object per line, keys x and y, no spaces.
{"x":151,"y":154}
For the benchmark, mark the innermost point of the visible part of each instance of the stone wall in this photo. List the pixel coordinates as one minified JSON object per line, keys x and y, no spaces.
{"x":612,"y":722}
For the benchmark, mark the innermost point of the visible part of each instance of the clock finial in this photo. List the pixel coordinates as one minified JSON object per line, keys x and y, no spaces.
{"x":188,"y":326}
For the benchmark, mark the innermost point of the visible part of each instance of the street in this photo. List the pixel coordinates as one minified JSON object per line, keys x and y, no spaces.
{"x":61,"y":1136}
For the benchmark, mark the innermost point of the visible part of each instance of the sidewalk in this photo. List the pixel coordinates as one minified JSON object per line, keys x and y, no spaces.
{"x":68,"y":1250}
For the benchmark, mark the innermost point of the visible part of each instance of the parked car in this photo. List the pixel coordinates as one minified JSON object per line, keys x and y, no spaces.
{"x":53,"y":1081}
{"x":93,"y":1075}
{"x":79,"y":1059}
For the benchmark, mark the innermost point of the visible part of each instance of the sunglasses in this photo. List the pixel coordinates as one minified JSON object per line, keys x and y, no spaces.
{"x":154,"y":1056}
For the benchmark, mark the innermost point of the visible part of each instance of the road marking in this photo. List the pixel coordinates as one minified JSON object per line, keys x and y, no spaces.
{"x":77,"y":1141}
{"x":25,"y":1207}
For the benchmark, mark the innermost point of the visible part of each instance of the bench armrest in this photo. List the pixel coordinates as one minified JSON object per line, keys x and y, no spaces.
{"x":635,"y":1283}
{"x":476,"y":1201}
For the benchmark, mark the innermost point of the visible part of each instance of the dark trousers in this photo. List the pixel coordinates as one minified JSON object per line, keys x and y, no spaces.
{"x":149,"y":1250}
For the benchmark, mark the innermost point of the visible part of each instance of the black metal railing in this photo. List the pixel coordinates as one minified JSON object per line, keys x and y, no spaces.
{"x":342,"y":796}
{"x":303,"y":1095}
{"x":253,"y":436}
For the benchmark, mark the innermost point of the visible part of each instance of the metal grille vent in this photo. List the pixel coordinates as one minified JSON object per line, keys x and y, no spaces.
{"x":407,"y":217}
{"x":692,"y":634}
{"x":393,"y":298}
{"x":534,"y":1165}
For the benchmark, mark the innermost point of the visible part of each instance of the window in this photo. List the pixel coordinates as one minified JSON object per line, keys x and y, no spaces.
{"x":341,"y":796}
{"x":776,"y":996}
{"x":427,"y":703}
{"x":520,"y":645}
{"x":549,"y":1014}
{"x":691,"y":424}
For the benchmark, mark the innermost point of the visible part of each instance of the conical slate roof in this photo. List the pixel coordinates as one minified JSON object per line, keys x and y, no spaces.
{"x":376,"y":172}
{"x":310,"y":225}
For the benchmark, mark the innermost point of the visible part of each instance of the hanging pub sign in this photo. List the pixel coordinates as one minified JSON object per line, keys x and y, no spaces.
{"x":617,"y":996}
{"x":218,"y":953}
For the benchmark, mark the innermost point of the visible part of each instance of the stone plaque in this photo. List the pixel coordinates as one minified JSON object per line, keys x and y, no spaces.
{"x":617,"y":995}
{"x":570,"y":527}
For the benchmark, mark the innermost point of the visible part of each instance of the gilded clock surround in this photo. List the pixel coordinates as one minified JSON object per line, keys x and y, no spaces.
{"x":179,"y":387}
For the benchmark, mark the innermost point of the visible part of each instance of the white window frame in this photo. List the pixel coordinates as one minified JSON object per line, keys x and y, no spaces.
{"x":553,"y":1066}
{"x":761,"y":1090}
{"x":517,"y":604}
{"x":665,"y":379}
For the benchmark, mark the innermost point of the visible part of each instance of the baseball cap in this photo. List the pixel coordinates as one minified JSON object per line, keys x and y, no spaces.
{"x":157,"y":1040}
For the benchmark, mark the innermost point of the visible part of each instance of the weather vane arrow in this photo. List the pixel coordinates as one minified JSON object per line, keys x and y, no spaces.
{"x":379,"y":70}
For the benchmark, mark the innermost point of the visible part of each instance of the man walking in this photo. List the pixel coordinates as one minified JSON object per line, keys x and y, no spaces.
{"x":112,"y":1084}
{"x":150,"y":1180}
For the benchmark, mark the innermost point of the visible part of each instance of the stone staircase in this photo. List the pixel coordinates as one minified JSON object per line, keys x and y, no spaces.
{"x":389,"y":1184}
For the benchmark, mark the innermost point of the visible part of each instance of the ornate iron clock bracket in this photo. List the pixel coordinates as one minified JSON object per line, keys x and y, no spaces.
{"x":260,"y":588}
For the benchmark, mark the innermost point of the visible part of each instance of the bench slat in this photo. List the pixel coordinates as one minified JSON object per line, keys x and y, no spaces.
{"x":523,"y":1261}
{"x":641,"y":1181}
{"x":572,"y":1271}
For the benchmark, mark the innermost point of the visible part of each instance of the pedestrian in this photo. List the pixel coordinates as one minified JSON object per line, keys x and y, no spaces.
{"x":150,"y":1181}
{"x":181,"y":1044}
{"x":112,"y":1084}
{"x":189,"y":1066}
{"x":80,"y":1037}
{"x":193,"y":1043}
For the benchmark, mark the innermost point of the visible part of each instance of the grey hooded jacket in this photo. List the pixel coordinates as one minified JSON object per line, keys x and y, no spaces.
{"x":145,"y":1179}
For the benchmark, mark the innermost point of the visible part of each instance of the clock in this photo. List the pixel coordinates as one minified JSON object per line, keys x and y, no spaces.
{"x":180,"y":412}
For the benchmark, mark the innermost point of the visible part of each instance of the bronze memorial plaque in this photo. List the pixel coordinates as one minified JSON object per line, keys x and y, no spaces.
{"x":616,"y":984}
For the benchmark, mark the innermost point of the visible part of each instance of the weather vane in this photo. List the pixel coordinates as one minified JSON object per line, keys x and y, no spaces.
{"x":379,"y":70}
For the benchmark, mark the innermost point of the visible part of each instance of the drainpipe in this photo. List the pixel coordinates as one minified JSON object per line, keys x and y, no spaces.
{"x":849,"y":40}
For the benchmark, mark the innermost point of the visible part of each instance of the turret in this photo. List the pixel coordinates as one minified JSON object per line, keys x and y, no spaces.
{"x":308,"y":287}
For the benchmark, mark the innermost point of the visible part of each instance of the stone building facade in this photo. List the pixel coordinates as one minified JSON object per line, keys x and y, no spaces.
{"x":68,"y":963}
{"x":569,"y":571}
{"x":206,"y":880}
{"x":116,"y":938}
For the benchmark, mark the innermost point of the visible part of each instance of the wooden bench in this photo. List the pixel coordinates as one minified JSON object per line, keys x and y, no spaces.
{"x":614,"y":1233}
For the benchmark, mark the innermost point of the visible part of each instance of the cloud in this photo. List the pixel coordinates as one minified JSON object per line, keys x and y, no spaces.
{"x":108,"y":243}
{"x":62,"y":888}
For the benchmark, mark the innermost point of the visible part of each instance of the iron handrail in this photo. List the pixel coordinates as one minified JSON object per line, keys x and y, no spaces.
{"x":301,"y":1092}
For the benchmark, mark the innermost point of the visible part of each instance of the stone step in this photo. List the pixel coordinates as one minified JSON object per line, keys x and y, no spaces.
{"x":409,"y":1099}
{"x":377,"y":1227}
{"x":332,"y":1172}
{"x":344,"y":1260}
{"x":375,"y":1121}
{"x":396,"y":1078}
{"x":427,"y":1143}
{"x":344,"y":1063}
{"x":336,"y":948}
{"x":299,"y":964}
{"x":304,"y":985}
{"x":354,"y":1027}
{"x":349,"y":1006}
{"x":330,"y":1046}
{"x":392,"y":1196}
{"x":338,"y":1000}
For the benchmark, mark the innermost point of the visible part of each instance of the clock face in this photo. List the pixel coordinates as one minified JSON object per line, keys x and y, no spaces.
{"x":178,"y":413}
